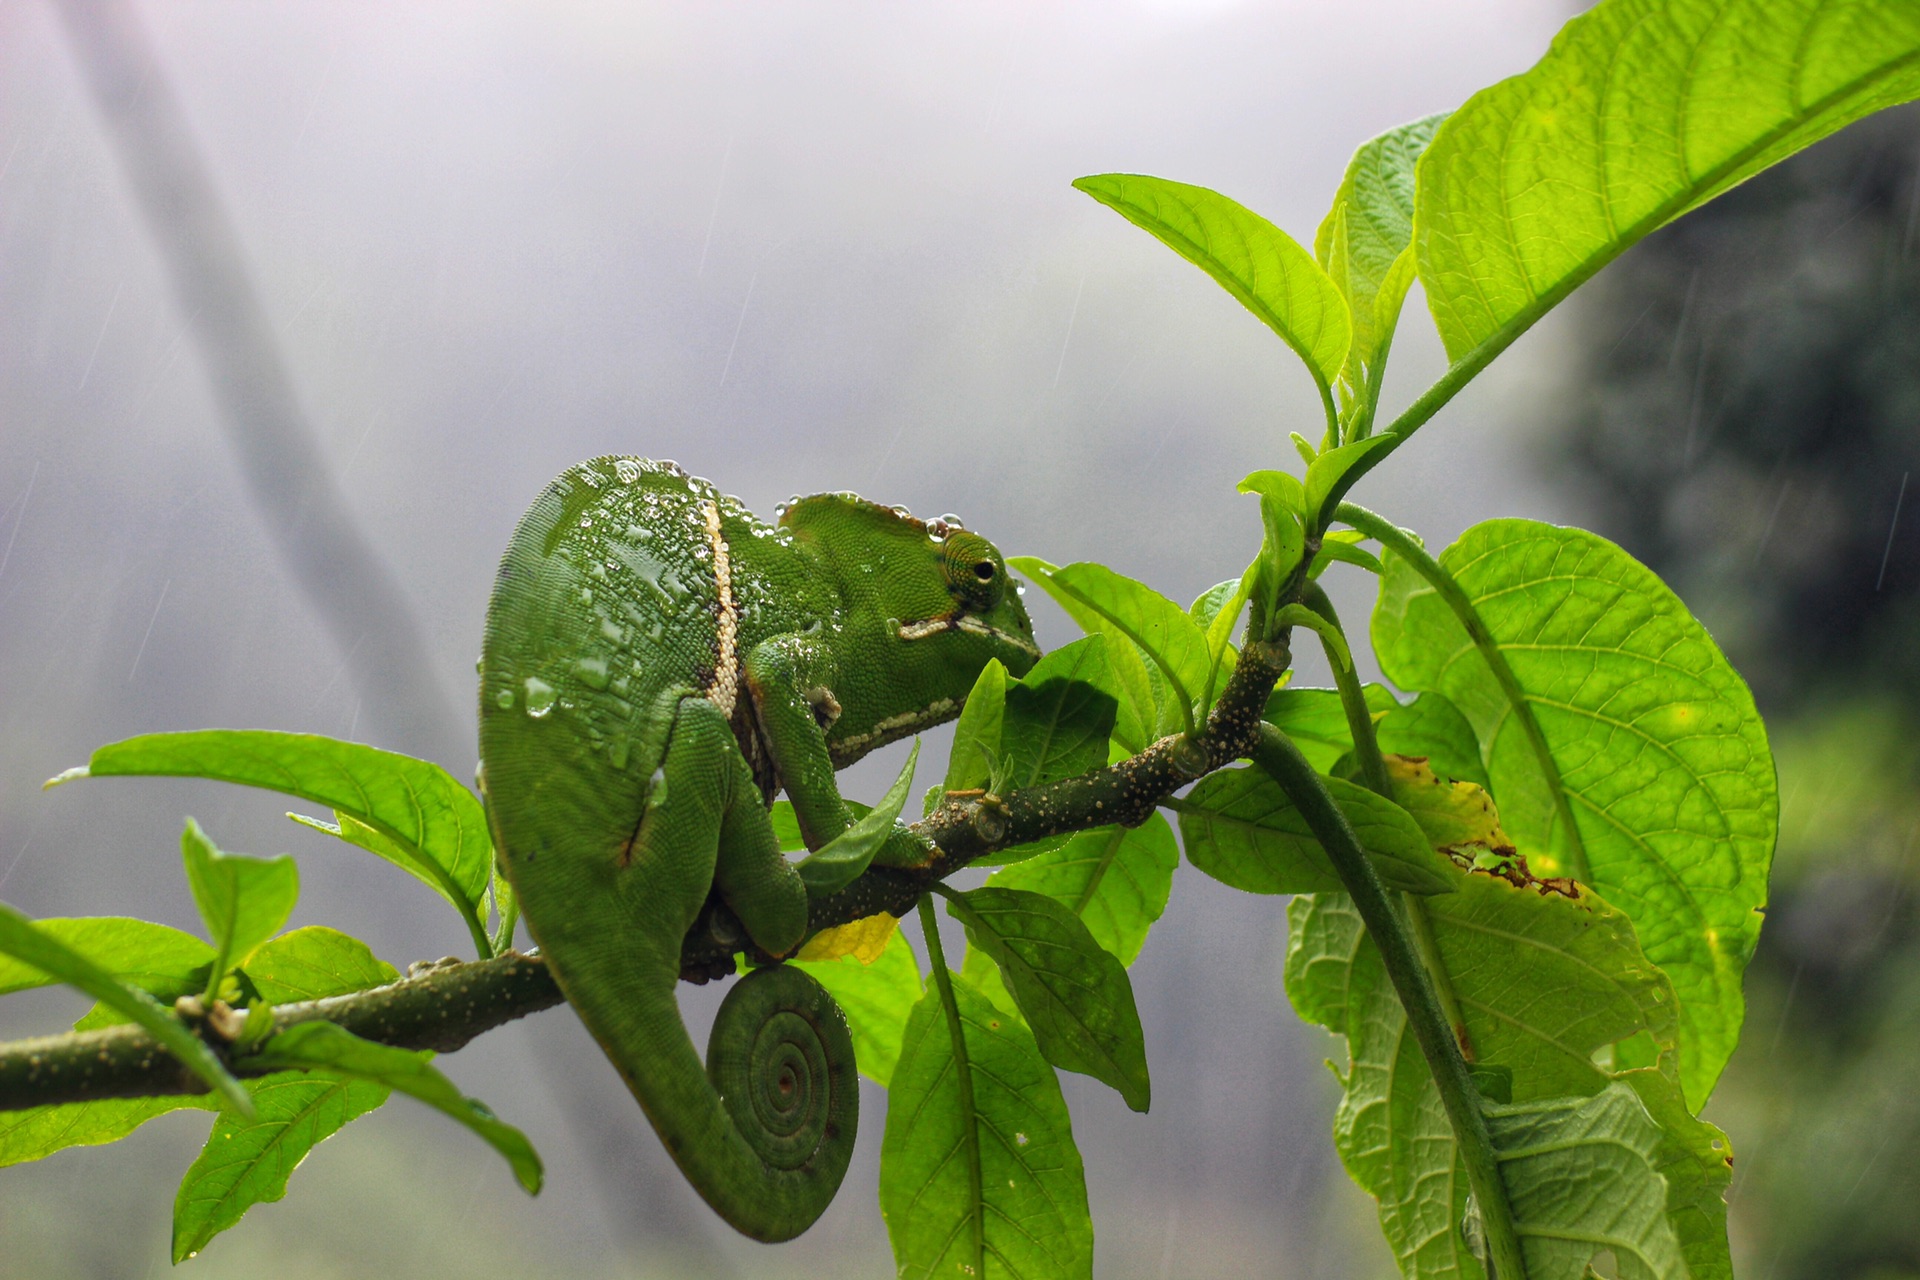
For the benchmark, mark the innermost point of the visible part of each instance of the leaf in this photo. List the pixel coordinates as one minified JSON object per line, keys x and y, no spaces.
{"x":1283,"y":513}
{"x":37,"y":1132}
{"x":22,"y":940}
{"x":137,"y":952}
{"x":325,"y":1047}
{"x":838,"y":862}
{"x":438,"y":828}
{"x":1239,"y":827}
{"x":862,"y":939}
{"x":1028,"y":1200}
{"x":248,"y":1162}
{"x":1263,"y":267}
{"x":1581,"y":1177}
{"x":1364,"y":244}
{"x":244,"y":901}
{"x":1132,"y":614}
{"x":1431,"y":726}
{"x":1116,"y":879}
{"x":976,"y":735}
{"x":1454,"y":816}
{"x":1057,"y":721}
{"x":877,"y":997}
{"x":316,"y":962}
{"x":1207,"y":605}
{"x":1074,"y":995}
{"x":1329,"y":469}
{"x":1544,"y":977}
{"x":1342,"y":545}
{"x":1662,"y":754}
{"x":1317,"y":722}
{"x":1642,"y":110}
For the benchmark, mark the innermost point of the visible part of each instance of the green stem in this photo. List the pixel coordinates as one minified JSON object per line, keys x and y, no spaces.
{"x":1404,"y":545}
{"x":1353,"y":697}
{"x":1284,"y":763}
{"x":1373,"y":768}
{"x":963,"y":1076}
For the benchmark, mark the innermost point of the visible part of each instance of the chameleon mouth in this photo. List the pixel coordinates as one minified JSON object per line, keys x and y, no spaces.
{"x":965,"y":622}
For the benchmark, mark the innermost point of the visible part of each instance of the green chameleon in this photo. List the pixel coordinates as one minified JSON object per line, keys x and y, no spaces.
{"x":658,"y":664}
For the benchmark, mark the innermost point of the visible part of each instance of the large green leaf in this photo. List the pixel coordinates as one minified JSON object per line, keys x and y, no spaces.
{"x":1431,"y":726}
{"x":248,"y":1162}
{"x":1642,"y":110}
{"x":838,"y":862}
{"x":137,"y":952}
{"x":978,"y":1158}
{"x":1544,"y":977}
{"x":1116,"y":879}
{"x":1365,"y":244}
{"x":1582,"y":1177}
{"x":1073,"y":994}
{"x":1662,"y":754}
{"x":1255,"y":261}
{"x":1057,"y":720}
{"x":1239,"y":827}
{"x":1134,"y":617}
{"x":434,"y":828}
{"x":1316,"y":720}
{"x":877,"y":998}
{"x":323,"y":1047}
{"x":244,"y":901}
{"x":976,"y":734}
{"x":22,"y":940}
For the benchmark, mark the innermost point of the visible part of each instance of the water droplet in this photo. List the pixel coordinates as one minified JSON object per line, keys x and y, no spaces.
{"x":589,"y":478}
{"x":899,"y":510}
{"x":1020,"y":1139}
{"x":613,"y":631}
{"x":701,"y":552}
{"x":627,"y":469}
{"x":591,"y":672}
{"x":478,"y":663}
{"x":540,"y":697}
{"x":504,"y":699}
{"x":617,"y":753}
{"x":953,"y":521}
{"x":586,"y":595}
{"x":780,"y":511}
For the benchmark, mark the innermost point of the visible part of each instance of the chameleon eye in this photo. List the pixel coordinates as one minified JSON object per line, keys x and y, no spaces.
{"x":972,"y":571}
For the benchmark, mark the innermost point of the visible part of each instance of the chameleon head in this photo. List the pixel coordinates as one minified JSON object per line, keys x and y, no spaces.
{"x":934,"y":601}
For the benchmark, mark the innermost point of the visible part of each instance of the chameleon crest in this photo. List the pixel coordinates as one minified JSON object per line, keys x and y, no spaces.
{"x":658,"y":664}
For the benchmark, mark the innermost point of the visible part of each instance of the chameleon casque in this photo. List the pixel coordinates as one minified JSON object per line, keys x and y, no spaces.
{"x":658,"y":664}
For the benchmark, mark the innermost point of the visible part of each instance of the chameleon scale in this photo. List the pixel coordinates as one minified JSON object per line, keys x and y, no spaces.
{"x":657,"y":664}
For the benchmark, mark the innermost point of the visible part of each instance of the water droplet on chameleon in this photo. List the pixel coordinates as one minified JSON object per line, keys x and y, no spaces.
{"x":627,"y":469}
{"x":586,"y":595}
{"x":504,"y":699}
{"x":540,"y":697}
{"x":591,"y":672}
{"x":613,"y":631}
{"x":617,"y":752}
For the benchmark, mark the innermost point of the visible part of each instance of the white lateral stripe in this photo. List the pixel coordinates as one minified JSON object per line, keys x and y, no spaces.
{"x":965,"y":622}
{"x":726,"y":668}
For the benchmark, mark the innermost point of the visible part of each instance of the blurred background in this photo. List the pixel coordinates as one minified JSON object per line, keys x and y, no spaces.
{"x":833,"y":246}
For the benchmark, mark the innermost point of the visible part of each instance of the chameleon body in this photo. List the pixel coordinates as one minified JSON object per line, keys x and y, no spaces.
{"x":657,"y":665}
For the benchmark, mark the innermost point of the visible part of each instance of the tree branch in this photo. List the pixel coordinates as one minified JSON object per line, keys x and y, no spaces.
{"x":443,"y":1007}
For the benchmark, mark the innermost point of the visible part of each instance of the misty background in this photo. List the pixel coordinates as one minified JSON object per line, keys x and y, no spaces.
{"x":794,"y":248}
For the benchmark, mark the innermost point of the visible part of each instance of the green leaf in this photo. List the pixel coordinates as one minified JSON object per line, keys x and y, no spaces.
{"x":248,"y":1162}
{"x":137,"y":952}
{"x":1582,"y":1178}
{"x":1263,"y":267}
{"x":1074,"y":995}
{"x":1283,"y":514}
{"x":1207,"y":605}
{"x":1132,"y":614}
{"x":1544,"y":976}
{"x":244,"y":901}
{"x":877,"y":998}
{"x":838,"y":862}
{"x":314,"y":963}
{"x":1341,"y":545}
{"x":1239,"y":827}
{"x":1431,"y":726}
{"x":1365,"y":244}
{"x":1026,"y":1200}
{"x":1116,"y":879}
{"x":976,"y":735}
{"x":1057,"y":721}
{"x":1661,"y":752}
{"x":325,"y":1047}
{"x":37,"y":1132}
{"x":437,"y":827}
{"x":23,"y":941}
{"x":1642,"y":110}
{"x":1317,"y":722}
{"x":1329,"y":469}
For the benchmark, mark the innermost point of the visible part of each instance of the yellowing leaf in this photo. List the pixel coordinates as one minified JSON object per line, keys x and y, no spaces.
{"x":862,"y":939}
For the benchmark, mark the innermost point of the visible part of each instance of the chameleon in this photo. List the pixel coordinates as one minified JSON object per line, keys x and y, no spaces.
{"x":658,"y":664}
